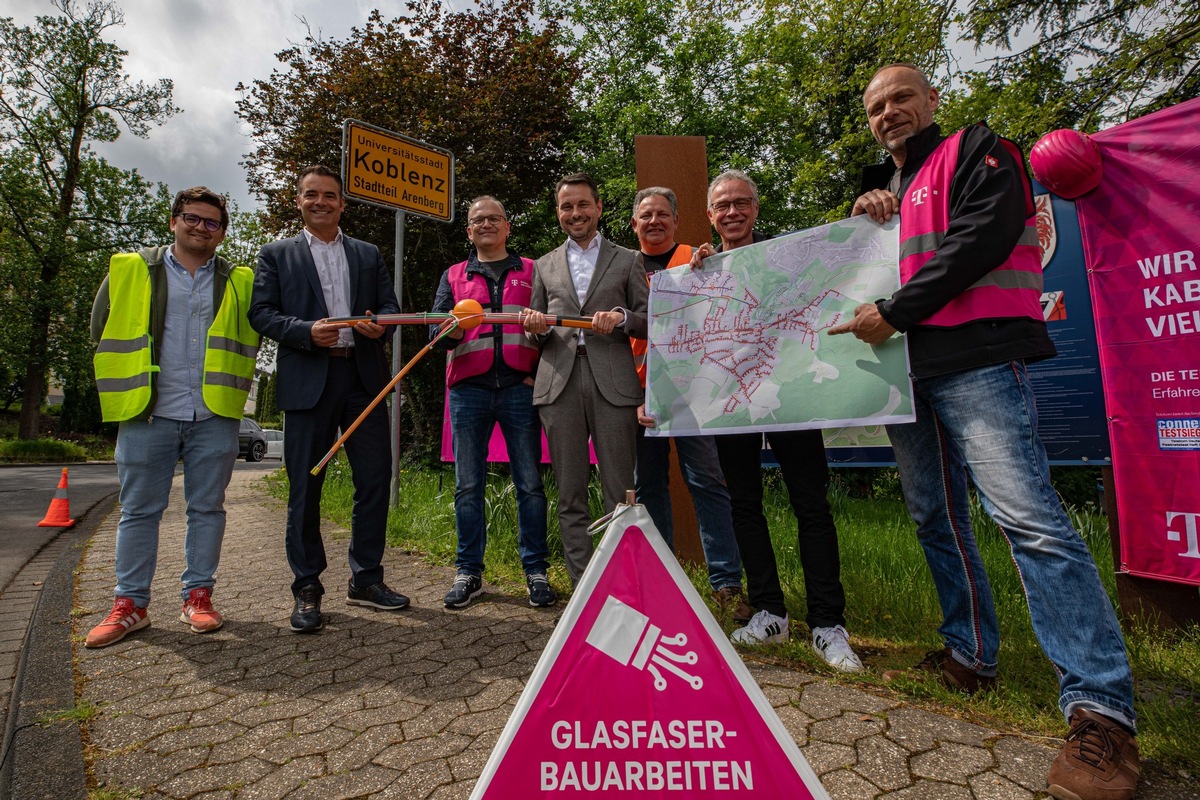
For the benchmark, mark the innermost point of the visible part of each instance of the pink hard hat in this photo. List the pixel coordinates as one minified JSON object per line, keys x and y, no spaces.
{"x":1067,"y":163}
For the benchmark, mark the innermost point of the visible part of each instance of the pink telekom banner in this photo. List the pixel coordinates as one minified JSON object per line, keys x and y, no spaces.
{"x":497,"y":449}
{"x":1141,"y":239}
{"x":639,"y":693}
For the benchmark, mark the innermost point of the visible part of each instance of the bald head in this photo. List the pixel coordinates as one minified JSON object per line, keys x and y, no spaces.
{"x":900,"y":103}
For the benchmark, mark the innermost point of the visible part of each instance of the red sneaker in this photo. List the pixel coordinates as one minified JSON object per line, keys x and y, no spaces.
{"x":198,"y":611}
{"x":124,"y":618}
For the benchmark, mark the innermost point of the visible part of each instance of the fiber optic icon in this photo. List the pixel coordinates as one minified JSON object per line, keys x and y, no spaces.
{"x":627,"y":636}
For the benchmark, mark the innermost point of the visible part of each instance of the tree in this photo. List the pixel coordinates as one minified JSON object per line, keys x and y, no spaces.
{"x":485,"y":83}
{"x":1035,"y":99}
{"x":1131,"y":57}
{"x":811,"y":63}
{"x":775,"y":87}
{"x":266,"y":410}
{"x":62,"y":86}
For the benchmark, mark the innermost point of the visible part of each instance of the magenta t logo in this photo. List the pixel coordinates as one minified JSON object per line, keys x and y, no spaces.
{"x":1190,"y":530}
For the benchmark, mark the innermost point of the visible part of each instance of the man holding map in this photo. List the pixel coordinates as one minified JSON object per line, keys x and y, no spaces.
{"x":655,"y":220}
{"x":969,"y":304}
{"x":732,"y":210}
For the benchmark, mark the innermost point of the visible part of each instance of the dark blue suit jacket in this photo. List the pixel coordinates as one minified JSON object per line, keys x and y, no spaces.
{"x":287,"y":300}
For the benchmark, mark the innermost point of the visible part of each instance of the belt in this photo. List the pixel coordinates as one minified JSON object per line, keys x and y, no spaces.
{"x":341,"y":352}
{"x":581,"y":351}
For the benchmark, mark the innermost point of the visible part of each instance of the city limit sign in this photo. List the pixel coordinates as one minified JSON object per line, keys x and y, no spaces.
{"x":391,"y":170}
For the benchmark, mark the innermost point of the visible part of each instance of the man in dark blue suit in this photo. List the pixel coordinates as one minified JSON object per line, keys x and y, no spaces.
{"x":327,"y":376}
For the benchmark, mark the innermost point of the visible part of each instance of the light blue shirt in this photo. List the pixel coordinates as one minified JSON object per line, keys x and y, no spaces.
{"x":190,"y":314}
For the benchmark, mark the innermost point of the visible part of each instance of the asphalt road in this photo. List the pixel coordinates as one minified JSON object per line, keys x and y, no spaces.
{"x":25,"y":495}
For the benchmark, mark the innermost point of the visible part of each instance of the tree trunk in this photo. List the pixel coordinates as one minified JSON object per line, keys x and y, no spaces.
{"x":34,"y":389}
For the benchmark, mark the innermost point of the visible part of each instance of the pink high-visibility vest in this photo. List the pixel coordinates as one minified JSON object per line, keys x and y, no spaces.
{"x":1013,"y":289}
{"x":474,"y":355}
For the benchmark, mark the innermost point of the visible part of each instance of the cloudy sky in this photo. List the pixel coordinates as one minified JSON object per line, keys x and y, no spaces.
{"x":206,"y":48}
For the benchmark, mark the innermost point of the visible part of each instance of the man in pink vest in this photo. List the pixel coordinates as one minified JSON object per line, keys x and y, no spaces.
{"x":971,"y":280}
{"x":489,"y":370}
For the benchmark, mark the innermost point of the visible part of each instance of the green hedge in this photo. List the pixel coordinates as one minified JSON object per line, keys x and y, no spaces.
{"x":41,"y":450}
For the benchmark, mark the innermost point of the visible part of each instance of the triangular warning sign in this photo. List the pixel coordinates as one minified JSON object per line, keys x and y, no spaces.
{"x":640,"y":694}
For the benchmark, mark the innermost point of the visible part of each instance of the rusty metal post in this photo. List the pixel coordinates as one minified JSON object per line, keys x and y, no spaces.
{"x":680,"y":163}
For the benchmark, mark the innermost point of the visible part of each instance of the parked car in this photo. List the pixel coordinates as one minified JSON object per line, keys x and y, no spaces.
{"x":252,"y":441}
{"x":274,"y":443}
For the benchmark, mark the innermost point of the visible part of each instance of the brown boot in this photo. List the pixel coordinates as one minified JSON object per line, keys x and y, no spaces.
{"x":731,"y":597}
{"x":948,"y":670}
{"x":1098,"y":762}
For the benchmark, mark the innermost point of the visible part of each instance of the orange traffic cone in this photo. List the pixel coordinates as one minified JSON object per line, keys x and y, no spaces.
{"x":59,"y":513}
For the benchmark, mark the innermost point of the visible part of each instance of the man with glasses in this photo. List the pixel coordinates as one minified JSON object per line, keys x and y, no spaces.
{"x":733,"y":210}
{"x":489,"y":369}
{"x":655,"y":220}
{"x":586,"y":385}
{"x":327,"y":376}
{"x":174,"y":364}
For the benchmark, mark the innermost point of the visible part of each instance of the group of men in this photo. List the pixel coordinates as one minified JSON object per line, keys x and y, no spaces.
{"x":178,"y":329}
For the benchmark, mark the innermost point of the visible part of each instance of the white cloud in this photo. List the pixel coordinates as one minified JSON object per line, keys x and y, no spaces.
{"x":206,"y":49}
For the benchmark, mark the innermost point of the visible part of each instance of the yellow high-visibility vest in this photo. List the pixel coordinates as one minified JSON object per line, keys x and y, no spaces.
{"x":124,"y":357}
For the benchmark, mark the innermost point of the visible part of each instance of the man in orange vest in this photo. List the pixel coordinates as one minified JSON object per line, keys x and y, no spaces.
{"x":655,"y":220}
{"x":489,"y":370}
{"x":971,"y":279}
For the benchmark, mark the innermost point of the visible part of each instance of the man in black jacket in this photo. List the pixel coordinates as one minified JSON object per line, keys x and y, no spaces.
{"x":327,"y":376}
{"x":969,"y":305}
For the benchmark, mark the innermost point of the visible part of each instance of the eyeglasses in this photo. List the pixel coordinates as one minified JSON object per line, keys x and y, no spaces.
{"x":192,"y":220}
{"x":479,"y":222}
{"x":741,"y":204}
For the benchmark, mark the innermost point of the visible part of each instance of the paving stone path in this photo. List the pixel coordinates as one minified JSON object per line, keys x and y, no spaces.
{"x":409,"y":705}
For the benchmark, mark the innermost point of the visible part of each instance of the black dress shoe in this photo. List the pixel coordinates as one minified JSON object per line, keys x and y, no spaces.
{"x":377,"y":596}
{"x":306,"y":614}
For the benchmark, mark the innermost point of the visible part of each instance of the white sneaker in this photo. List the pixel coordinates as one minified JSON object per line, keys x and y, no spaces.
{"x":763,"y":627}
{"x":833,"y":645}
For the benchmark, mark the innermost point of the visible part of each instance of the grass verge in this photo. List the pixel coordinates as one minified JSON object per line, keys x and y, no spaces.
{"x":892,"y":608}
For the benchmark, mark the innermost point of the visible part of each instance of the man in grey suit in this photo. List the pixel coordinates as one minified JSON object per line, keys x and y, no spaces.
{"x":586,"y":382}
{"x":327,"y":376}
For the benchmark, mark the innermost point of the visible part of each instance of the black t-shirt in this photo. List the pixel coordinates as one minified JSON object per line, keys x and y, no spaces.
{"x":655,"y":263}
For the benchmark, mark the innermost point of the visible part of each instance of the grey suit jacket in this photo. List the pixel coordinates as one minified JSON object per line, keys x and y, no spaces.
{"x":619,"y":281}
{"x":287,"y":300}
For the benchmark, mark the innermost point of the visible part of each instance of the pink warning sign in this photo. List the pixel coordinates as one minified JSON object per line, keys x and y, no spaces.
{"x":640,"y":694}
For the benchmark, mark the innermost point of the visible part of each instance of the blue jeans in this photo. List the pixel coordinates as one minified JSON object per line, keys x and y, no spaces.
{"x":983,"y":423}
{"x":147,"y":452}
{"x":702,"y":473}
{"x":474,"y":410}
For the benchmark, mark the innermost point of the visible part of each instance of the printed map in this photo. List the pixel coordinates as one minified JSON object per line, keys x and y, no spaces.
{"x":742,"y":346}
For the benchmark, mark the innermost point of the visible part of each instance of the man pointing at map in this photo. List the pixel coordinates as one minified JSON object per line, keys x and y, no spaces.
{"x":969,"y":304}
{"x":733,"y":209}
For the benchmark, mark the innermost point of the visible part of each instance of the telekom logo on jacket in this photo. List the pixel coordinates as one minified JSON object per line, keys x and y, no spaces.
{"x":918,"y":195}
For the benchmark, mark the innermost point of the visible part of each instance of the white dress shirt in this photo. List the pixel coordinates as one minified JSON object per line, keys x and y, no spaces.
{"x":581,"y":261}
{"x":334,"y":272}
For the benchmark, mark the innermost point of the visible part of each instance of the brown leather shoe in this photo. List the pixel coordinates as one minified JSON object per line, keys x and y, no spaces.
{"x":948,"y":670}
{"x":732,"y":597}
{"x":1098,"y":762}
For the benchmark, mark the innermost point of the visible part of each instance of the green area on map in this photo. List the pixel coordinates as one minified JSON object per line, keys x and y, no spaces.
{"x":743,"y":344}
